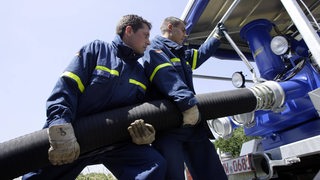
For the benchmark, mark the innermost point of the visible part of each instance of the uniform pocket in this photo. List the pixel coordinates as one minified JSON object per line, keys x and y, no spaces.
{"x":101,"y":77}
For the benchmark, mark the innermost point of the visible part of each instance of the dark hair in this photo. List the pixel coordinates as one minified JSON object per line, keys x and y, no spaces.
{"x":170,"y":20}
{"x":135,"y":21}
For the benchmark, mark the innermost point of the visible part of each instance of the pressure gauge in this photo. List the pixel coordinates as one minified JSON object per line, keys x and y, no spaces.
{"x":238,"y":80}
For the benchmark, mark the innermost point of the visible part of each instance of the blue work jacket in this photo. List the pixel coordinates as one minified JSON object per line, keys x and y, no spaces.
{"x":169,"y":66}
{"x":102,"y":76}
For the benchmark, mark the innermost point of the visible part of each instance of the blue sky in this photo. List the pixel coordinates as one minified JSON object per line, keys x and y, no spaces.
{"x":39,"y":38}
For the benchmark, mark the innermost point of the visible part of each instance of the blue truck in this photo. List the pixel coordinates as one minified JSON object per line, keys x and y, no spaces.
{"x":281,"y":38}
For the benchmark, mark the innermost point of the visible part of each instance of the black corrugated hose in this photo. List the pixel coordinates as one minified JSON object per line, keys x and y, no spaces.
{"x":30,"y":152}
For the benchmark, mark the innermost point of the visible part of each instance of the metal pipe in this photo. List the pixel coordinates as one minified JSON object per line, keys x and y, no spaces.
{"x":224,"y":17}
{"x":242,"y":56}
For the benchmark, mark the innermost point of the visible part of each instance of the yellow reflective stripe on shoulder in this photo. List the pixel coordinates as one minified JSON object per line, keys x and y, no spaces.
{"x":175,"y":60}
{"x":132,"y":81}
{"x":111,"y":71}
{"x":194,"y":59}
{"x":157,"y":69}
{"x":76,"y":78}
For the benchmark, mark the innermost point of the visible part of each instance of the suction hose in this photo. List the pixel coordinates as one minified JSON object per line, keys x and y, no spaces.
{"x":30,"y":152}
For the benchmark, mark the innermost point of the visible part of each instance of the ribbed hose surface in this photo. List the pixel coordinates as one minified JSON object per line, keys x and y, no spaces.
{"x":26,"y":153}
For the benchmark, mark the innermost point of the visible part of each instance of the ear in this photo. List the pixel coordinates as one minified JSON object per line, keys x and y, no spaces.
{"x":128,"y":30}
{"x":170,"y":27}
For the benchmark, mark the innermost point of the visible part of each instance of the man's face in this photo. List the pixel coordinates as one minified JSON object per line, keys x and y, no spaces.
{"x":179,"y":33}
{"x":139,"y":40}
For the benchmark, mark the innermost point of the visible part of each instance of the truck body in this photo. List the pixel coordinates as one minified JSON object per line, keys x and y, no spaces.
{"x":280,"y":37}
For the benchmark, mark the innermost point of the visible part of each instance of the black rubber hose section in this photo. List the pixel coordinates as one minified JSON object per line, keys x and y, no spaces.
{"x":30,"y":152}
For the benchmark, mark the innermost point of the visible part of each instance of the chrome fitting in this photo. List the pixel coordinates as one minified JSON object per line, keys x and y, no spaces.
{"x":269,"y":94}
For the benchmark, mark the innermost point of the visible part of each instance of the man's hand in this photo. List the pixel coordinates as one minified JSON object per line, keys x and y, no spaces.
{"x":64,"y":147}
{"x":219,"y":32}
{"x":191,"y":116}
{"x":141,"y":133}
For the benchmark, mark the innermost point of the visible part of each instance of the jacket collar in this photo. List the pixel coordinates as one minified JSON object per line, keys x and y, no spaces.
{"x":125,"y":52}
{"x":170,"y":44}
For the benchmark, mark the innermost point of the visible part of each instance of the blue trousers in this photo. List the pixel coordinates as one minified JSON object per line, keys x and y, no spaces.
{"x":192,"y":147}
{"x":126,"y":161}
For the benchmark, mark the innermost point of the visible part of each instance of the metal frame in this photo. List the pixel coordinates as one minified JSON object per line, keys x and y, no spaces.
{"x":304,"y":26}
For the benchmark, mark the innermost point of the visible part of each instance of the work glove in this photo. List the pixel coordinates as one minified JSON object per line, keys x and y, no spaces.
{"x":141,"y":133}
{"x":219,"y":32}
{"x":191,"y":116}
{"x":64,"y":147}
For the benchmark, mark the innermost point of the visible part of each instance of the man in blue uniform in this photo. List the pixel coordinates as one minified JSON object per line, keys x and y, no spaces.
{"x":169,"y":68}
{"x":102,"y":76}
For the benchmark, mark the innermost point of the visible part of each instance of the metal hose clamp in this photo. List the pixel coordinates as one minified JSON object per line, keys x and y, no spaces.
{"x":269,"y":94}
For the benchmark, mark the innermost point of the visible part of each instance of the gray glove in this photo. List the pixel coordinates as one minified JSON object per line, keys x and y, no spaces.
{"x":141,"y":133}
{"x":219,"y":31}
{"x":191,"y":116}
{"x":64,"y":147}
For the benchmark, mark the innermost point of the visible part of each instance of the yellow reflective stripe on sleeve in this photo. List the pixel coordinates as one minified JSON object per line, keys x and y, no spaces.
{"x":132,"y":81}
{"x":76,"y":78}
{"x":157,"y":69}
{"x":111,"y":71}
{"x":175,"y":60}
{"x":194,"y":59}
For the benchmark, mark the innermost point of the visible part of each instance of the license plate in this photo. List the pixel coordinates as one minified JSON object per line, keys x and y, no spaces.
{"x":238,"y":165}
